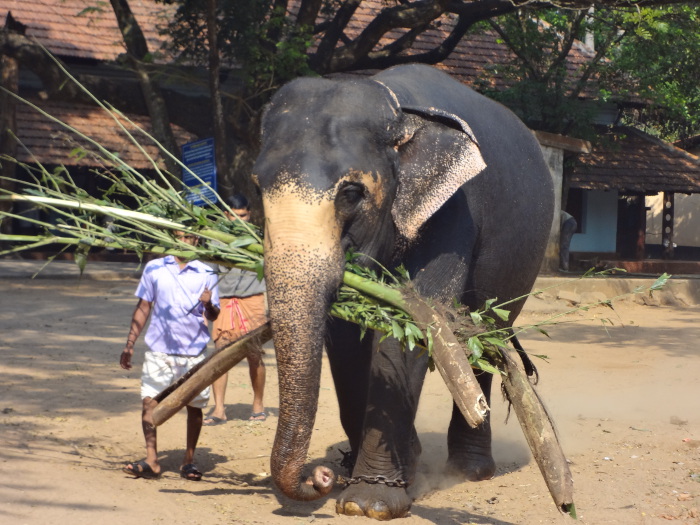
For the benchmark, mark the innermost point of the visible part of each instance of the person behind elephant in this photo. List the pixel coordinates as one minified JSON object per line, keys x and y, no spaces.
{"x":568,"y":226}
{"x":242,"y":310}
{"x":179,"y":297}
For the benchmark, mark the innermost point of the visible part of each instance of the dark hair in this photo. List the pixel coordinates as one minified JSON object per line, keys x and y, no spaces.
{"x":237,"y":202}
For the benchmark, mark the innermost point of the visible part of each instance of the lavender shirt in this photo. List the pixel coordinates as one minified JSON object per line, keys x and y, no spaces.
{"x":177,"y":323}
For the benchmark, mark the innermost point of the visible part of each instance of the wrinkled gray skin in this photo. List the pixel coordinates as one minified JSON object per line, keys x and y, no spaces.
{"x":388,"y":165}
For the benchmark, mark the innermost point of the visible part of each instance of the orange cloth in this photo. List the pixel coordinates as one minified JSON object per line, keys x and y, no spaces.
{"x":239,"y":315}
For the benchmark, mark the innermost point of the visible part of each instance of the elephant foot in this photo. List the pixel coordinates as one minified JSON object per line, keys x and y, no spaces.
{"x":377,"y":501}
{"x":471,"y":466}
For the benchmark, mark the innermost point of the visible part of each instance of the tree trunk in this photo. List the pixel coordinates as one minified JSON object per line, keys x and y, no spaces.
{"x":9,"y":79}
{"x":223,"y":165}
{"x":137,"y":49}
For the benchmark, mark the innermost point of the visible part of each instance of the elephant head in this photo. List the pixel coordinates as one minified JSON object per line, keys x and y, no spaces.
{"x":343,"y":164}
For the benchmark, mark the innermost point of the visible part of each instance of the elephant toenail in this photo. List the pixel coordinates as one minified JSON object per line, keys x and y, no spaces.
{"x":350,"y":508}
{"x":380,"y":511}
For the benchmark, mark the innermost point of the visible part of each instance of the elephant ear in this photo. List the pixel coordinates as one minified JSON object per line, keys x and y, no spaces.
{"x":439,"y":155}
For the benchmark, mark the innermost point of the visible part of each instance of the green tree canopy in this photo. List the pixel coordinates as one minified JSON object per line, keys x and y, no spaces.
{"x":642,"y":58}
{"x":660,"y":58}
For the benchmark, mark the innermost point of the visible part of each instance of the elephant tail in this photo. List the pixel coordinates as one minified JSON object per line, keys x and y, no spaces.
{"x":530,"y":368}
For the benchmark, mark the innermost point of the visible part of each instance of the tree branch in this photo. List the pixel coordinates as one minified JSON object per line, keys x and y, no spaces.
{"x":407,"y":16}
{"x":591,"y":65}
{"x":525,"y":59}
{"x":320,"y":61}
{"x":308,"y":12}
{"x":390,"y":54}
{"x":214,"y":70}
{"x":567,"y":43}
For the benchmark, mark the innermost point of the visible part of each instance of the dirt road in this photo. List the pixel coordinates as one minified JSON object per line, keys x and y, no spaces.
{"x":625,"y":397}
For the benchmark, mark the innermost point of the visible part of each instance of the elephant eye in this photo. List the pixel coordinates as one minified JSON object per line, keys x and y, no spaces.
{"x":402,"y":139}
{"x":351,"y":194}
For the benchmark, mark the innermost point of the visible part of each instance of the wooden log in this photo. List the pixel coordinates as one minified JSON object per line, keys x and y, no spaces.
{"x":451,"y":359}
{"x":174,"y":398}
{"x":539,"y":432}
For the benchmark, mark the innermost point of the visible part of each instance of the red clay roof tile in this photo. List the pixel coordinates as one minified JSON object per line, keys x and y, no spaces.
{"x":632,"y":161}
{"x":49,"y":143}
{"x":84,"y":28}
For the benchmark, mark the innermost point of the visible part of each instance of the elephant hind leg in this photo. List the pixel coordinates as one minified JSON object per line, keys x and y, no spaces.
{"x":469,"y":449}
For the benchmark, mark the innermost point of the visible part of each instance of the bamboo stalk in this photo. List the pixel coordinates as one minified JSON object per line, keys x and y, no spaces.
{"x":96,"y":208}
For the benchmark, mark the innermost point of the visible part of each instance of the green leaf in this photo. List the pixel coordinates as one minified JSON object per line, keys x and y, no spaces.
{"x":410,"y":342}
{"x":660,"y":282}
{"x":488,"y":303}
{"x":242,"y":241}
{"x":260,"y":270}
{"x":495,"y":341}
{"x":503,"y":314}
{"x":80,"y":256}
{"x":476,"y":318}
{"x":484,"y":365}
{"x":396,"y":330}
{"x":475,"y":347}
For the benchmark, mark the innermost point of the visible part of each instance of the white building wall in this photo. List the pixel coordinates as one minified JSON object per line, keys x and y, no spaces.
{"x":599,"y":228}
{"x":686,"y":224}
{"x":555,"y":161}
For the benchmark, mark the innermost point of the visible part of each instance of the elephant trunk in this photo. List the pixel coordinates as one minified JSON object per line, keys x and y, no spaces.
{"x":303,"y":268}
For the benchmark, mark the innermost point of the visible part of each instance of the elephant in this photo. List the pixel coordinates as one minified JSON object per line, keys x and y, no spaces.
{"x":408,"y":166}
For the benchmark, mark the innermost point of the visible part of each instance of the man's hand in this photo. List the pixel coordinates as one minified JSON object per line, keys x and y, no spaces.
{"x":138,"y":321}
{"x":205,"y":298}
{"x":211,"y":312}
{"x":125,"y":359}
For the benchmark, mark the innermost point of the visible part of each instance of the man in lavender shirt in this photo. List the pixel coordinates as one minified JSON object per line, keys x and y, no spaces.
{"x":180,"y":297}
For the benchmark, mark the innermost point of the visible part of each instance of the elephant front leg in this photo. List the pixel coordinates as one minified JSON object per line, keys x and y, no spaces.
{"x":379,"y":484}
{"x":389,"y":448}
{"x":469,"y":449}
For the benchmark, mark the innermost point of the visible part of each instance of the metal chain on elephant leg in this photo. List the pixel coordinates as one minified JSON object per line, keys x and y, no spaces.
{"x":372,"y":480}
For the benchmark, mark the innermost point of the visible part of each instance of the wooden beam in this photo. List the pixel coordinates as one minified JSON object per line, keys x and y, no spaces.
{"x":640,"y":248}
{"x":667,"y":220}
{"x":565,"y":143}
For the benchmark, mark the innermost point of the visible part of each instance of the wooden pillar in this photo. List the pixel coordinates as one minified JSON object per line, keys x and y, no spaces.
{"x":555,"y":161}
{"x":667,"y":225}
{"x":9,"y":79}
{"x":640,"y":247}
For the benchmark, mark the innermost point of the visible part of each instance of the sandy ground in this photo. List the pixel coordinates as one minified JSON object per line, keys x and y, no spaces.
{"x":625,"y":397}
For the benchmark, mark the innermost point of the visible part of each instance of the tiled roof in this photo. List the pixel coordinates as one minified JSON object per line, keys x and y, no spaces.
{"x":84,"y":28}
{"x":70,"y":28}
{"x":632,"y":161}
{"x":49,"y":143}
